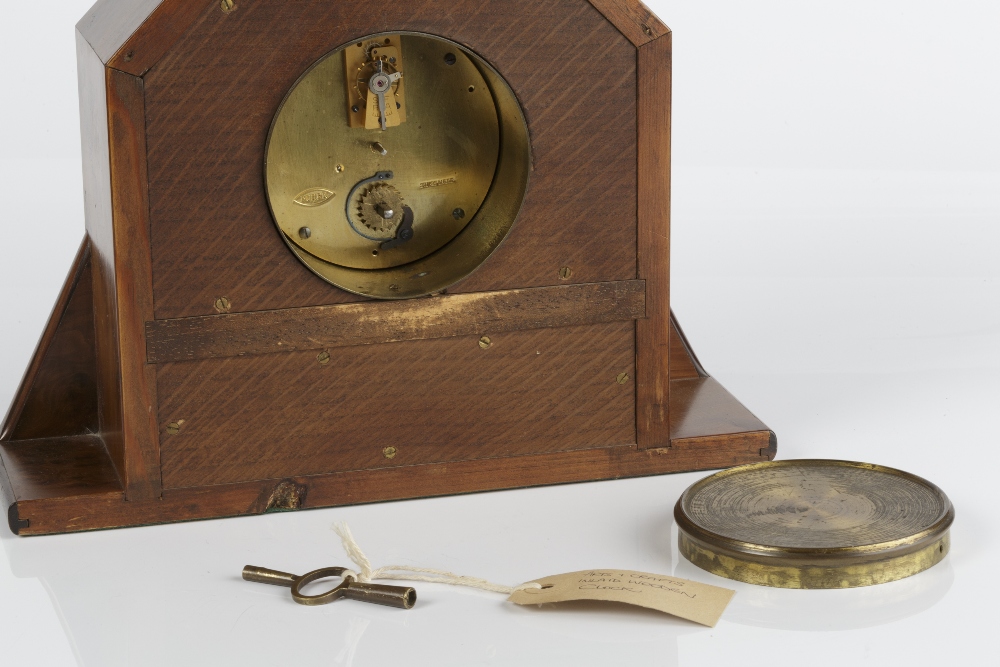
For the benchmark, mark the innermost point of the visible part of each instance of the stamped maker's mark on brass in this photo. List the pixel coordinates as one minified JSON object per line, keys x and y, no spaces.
{"x":314,"y":197}
{"x":438,"y":182}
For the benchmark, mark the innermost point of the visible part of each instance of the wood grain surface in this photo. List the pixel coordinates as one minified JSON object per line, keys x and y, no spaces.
{"x":212,"y":97}
{"x":104,"y":508}
{"x":61,"y":468}
{"x":634,"y":19}
{"x":58,"y":395}
{"x":133,"y":277}
{"x":98,"y":215}
{"x":708,"y":409}
{"x":389,"y":322}
{"x":653,"y":333}
{"x":163,"y":27}
{"x":273,"y":416}
{"x":683,"y":362}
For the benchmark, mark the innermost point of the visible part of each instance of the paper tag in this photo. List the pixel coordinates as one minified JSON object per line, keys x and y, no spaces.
{"x":696,"y":602}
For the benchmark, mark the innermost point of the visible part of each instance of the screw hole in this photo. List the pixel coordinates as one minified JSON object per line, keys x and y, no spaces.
{"x":472,"y":89}
{"x":458,"y":213}
{"x":450,"y":58}
{"x":374,"y":253}
{"x":388,"y":41}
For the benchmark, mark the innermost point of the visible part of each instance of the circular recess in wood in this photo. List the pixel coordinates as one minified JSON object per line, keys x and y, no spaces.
{"x":405,"y":156}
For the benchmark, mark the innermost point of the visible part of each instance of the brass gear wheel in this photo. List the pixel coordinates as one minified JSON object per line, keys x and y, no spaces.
{"x":379,"y":200}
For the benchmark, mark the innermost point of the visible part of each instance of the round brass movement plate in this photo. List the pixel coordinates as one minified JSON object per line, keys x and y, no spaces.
{"x":400,"y":195}
{"x":813,"y":524}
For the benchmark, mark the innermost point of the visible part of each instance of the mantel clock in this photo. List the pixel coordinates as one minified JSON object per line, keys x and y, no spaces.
{"x":338,"y":254}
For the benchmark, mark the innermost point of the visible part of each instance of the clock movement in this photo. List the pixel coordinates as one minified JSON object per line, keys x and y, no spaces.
{"x":336,"y":255}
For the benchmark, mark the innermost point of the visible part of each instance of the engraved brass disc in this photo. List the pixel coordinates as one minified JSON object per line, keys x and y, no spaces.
{"x":455,"y":151}
{"x":814,"y":524}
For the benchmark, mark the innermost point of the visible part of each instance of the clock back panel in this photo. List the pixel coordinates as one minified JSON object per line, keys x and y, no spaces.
{"x":211,"y":232}
{"x":381,"y":406}
{"x":212,"y":236}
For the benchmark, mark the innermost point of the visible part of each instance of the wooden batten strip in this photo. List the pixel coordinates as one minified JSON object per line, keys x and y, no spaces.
{"x":653,"y":333}
{"x":376,"y":322}
{"x":132,"y":266}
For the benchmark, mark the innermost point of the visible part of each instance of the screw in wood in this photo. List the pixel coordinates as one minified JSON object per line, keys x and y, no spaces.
{"x":622,"y":378}
{"x":389,"y":452}
{"x":227,"y":5}
{"x":485,"y":342}
{"x":565,"y":273}
{"x":223,"y":305}
{"x":173,"y":428}
{"x":323,"y":358}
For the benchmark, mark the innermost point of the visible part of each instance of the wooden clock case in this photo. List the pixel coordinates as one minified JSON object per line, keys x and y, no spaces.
{"x":193,"y":368}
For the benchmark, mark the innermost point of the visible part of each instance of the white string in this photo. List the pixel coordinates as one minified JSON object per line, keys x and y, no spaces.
{"x":406,"y":573}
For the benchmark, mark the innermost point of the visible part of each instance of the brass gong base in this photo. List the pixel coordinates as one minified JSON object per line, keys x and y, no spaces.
{"x":814,"y":524}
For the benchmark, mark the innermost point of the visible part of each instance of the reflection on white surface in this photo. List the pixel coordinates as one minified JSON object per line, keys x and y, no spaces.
{"x":355,"y":629}
{"x":842,"y":609}
{"x":172,"y":594}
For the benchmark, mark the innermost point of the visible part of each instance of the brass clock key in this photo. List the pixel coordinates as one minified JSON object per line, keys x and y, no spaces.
{"x":403,"y":597}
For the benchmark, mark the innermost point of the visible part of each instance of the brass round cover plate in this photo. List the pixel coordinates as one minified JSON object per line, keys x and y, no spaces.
{"x":455,"y":154}
{"x":813,"y":524}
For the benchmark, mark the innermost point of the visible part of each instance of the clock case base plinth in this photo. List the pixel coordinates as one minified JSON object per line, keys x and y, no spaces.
{"x":56,"y":474}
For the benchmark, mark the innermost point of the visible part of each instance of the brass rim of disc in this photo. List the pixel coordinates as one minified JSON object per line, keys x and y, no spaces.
{"x":812,"y":567}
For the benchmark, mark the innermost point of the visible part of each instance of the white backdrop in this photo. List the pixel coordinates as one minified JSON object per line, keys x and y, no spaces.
{"x":836,"y":225}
